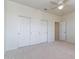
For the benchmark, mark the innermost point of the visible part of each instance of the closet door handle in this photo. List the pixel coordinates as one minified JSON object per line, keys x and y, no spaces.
{"x":39,"y":32}
{"x":19,"y":33}
{"x":30,"y":32}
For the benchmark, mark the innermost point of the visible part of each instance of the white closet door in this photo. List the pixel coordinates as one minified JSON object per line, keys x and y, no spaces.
{"x":44,"y":30}
{"x":24,"y":31}
{"x":35,"y":31}
{"x":62,"y":31}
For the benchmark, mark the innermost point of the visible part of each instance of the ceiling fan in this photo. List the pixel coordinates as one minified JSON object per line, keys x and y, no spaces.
{"x":59,"y":4}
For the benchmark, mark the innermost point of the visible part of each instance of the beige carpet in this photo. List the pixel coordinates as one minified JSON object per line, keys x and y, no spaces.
{"x":55,"y":50}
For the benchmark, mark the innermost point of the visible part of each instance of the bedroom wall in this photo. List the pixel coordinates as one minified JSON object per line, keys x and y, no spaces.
{"x":12,"y":11}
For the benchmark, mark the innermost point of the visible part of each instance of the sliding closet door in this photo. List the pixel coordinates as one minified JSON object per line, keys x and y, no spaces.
{"x":35,"y":31}
{"x":44,"y":30}
{"x":23,"y":31}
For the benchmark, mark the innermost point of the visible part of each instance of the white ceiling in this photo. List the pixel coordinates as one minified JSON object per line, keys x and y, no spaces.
{"x":41,"y":4}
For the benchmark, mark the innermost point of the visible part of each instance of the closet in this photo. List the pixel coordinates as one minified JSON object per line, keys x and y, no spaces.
{"x":31,"y":31}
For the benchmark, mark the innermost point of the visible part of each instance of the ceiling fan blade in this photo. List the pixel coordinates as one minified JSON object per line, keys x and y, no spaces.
{"x":64,"y":1}
{"x":53,"y":3}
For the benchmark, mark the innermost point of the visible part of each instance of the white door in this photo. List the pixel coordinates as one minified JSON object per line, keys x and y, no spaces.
{"x":62,"y":30}
{"x":35,"y":31}
{"x":23,"y":31}
{"x":44,"y":31}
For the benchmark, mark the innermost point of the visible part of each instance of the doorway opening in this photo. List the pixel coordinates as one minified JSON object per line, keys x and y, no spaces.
{"x":56,"y":31}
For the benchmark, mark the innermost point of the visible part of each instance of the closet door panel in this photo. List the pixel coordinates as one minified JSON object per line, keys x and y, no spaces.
{"x":44,"y":30}
{"x":24,"y":32}
{"x":35,"y":31}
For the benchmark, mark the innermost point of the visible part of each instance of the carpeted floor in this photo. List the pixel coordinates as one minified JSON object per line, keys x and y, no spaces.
{"x":54,"y":50}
